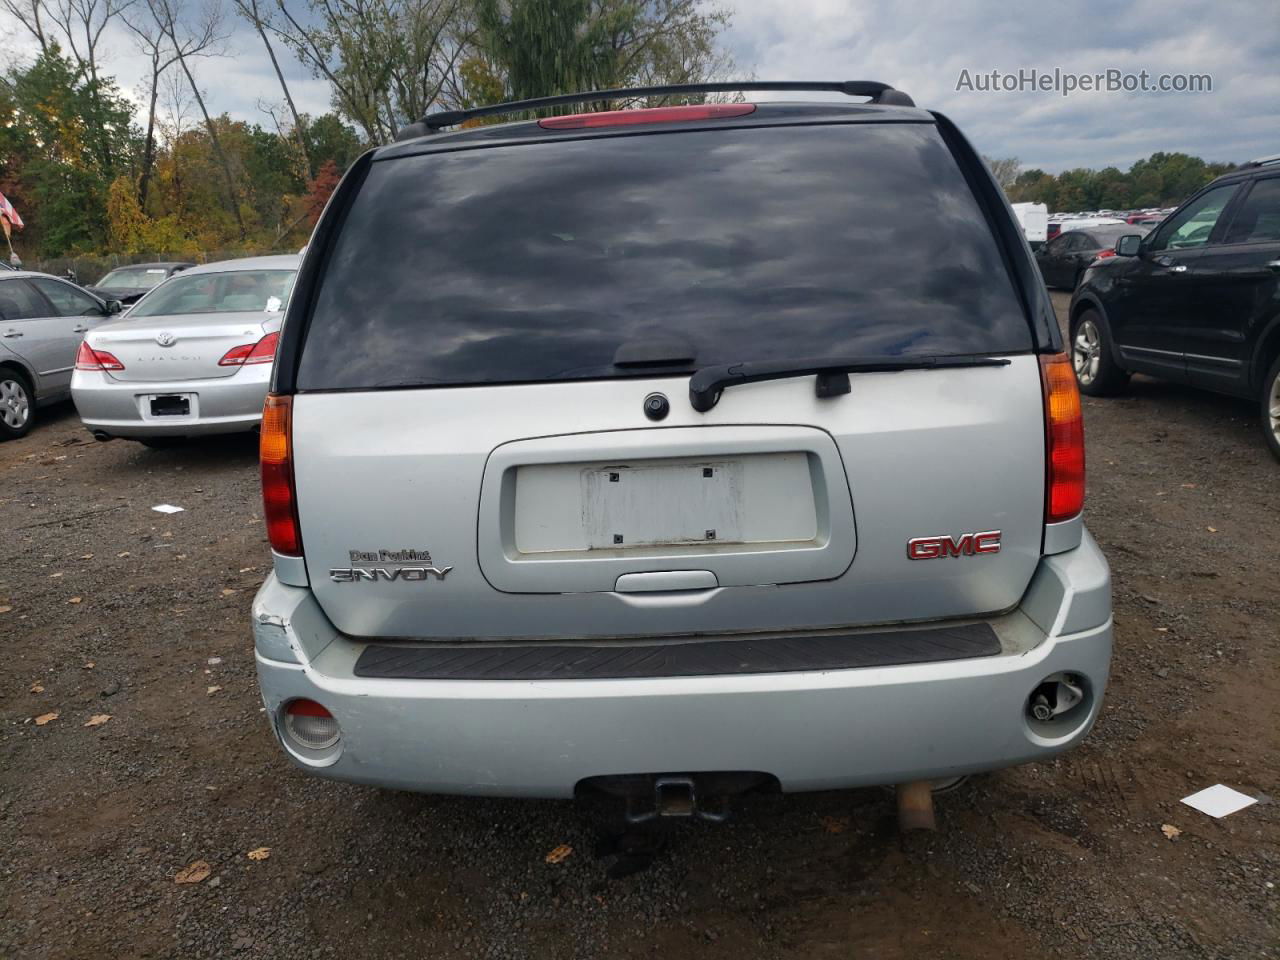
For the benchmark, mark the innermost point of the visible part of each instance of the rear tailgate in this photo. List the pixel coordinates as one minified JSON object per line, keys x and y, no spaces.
{"x":925,"y":454}
{"x":472,"y":462}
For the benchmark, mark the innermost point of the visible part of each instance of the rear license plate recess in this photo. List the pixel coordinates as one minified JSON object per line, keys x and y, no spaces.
{"x":171,"y":405}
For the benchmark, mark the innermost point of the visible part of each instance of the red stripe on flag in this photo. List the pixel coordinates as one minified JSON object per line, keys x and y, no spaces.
{"x":10,"y":214}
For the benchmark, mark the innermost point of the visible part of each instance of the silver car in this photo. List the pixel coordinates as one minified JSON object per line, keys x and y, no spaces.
{"x":672,"y":453}
{"x":42,"y":321}
{"x":192,"y":357}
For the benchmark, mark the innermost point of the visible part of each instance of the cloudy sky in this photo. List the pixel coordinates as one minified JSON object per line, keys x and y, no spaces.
{"x":923,"y":46}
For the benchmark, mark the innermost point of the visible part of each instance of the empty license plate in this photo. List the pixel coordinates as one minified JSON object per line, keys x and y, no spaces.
{"x":170,"y":406}
{"x":657,"y":504}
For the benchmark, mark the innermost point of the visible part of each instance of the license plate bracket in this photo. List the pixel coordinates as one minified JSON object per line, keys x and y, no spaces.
{"x":171,"y":405}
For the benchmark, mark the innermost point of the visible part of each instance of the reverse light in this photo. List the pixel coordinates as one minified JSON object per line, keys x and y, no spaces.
{"x":626,"y":118}
{"x":275,"y":455}
{"x":310,"y":725}
{"x":1064,"y":439}
{"x":88,"y":358}
{"x":264,"y":351}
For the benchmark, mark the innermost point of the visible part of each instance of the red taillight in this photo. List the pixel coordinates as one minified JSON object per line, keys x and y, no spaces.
{"x":88,"y":358}
{"x":279,"y":505}
{"x":1064,"y":439}
{"x":626,"y":118}
{"x":1102,"y":255}
{"x":264,"y":351}
{"x":236,"y":355}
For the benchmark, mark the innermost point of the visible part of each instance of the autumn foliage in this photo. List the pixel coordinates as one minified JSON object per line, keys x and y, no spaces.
{"x":320,"y":189}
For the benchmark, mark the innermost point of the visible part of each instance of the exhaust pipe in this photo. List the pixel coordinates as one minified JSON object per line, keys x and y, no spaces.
{"x":1041,"y":709}
{"x":102,"y":436}
{"x":915,"y":806}
{"x":1055,"y":695}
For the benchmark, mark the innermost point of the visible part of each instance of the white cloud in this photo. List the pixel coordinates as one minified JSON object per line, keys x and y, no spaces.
{"x":921,"y":47}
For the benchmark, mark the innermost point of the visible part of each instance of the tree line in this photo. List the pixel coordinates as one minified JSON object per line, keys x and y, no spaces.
{"x":92,"y":174}
{"x":1161,"y":180}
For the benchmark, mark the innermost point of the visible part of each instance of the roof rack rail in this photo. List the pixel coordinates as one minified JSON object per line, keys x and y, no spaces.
{"x":878,"y":92}
{"x":1263,"y":161}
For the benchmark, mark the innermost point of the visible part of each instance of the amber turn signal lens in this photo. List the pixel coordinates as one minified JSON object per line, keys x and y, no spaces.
{"x":275,"y":454}
{"x":1064,"y":439}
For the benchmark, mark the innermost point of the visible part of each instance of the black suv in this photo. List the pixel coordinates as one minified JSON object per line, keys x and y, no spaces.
{"x":1195,"y":301}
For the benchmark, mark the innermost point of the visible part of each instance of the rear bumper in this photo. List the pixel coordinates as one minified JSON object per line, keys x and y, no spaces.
{"x":812,"y":730}
{"x":220,"y":405}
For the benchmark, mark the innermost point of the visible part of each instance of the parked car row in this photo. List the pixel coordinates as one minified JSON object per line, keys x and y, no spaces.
{"x":192,"y":355}
{"x":1064,"y":222}
{"x":1064,"y":259}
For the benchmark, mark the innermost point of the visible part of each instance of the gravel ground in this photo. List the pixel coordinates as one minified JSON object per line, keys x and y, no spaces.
{"x":108,"y":608}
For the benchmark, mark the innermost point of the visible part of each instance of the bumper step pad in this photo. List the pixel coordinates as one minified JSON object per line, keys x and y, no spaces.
{"x":544,"y":660}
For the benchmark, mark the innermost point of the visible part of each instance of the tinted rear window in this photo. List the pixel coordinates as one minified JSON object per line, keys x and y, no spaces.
{"x":536,"y":262}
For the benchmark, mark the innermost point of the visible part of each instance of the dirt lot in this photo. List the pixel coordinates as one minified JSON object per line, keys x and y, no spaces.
{"x":107,"y":607}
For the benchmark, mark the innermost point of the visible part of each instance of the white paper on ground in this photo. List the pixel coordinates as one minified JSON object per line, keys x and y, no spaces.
{"x":167,"y":508}
{"x":1218,"y":800}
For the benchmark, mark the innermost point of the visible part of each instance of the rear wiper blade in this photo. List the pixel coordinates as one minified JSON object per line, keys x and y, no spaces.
{"x":707,"y":384}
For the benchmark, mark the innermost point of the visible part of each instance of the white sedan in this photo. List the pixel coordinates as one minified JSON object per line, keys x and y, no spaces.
{"x":192,"y":357}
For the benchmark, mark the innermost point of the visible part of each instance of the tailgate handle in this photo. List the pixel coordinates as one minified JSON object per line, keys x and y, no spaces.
{"x":665,"y":581}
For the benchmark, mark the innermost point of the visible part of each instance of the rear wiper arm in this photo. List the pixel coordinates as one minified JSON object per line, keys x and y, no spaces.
{"x":707,"y":384}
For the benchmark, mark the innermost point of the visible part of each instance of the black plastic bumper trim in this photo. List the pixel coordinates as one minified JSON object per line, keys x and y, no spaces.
{"x":543,"y":660}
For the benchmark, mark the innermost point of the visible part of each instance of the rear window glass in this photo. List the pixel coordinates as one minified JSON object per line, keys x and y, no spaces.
{"x":132,"y":278}
{"x":232,"y":291}
{"x":537,"y":262}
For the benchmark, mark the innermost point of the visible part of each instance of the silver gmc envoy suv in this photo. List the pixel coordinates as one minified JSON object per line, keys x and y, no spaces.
{"x":675,"y":452}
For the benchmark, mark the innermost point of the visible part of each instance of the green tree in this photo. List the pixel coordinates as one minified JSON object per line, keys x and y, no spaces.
{"x":1114,"y":190}
{"x":387,"y":61}
{"x":1160,"y":180}
{"x":64,"y":139}
{"x":329,"y":139}
{"x":545,"y":47}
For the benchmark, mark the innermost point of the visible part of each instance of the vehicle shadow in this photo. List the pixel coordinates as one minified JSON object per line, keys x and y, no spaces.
{"x":764,"y":825}
{"x":61,"y":413}
{"x":216,"y":450}
{"x":219,"y":451}
{"x":795,"y":869}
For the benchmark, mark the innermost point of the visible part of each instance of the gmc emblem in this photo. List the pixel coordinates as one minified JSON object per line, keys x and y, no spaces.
{"x":930,"y":548}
